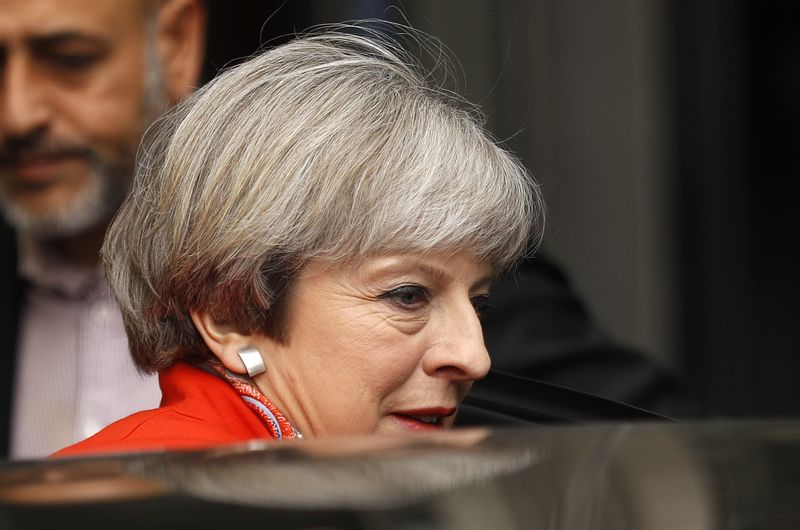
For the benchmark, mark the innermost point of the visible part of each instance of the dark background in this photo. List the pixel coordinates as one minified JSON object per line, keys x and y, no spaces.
{"x":731,"y":87}
{"x":738,"y":81}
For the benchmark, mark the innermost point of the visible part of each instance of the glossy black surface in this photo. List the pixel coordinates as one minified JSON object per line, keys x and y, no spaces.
{"x":613,"y":476}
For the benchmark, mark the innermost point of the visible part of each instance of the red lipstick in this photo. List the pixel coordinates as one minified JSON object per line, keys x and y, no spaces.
{"x":423,"y":419}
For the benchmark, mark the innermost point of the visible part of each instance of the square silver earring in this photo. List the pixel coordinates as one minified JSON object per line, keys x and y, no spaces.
{"x":252,"y":360}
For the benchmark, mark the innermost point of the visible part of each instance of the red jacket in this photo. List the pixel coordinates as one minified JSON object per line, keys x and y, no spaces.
{"x":198,"y":410}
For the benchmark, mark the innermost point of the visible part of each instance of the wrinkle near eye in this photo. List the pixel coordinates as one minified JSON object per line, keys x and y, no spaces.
{"x":365,"y":308}
{"x":407,"y":324}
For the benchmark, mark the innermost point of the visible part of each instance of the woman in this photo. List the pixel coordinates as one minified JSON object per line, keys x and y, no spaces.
{"x":306,"y":250}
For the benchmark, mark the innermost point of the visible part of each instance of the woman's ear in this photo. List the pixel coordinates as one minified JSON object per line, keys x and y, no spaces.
{"x":224,"y":341}
{"x":181,"y":36}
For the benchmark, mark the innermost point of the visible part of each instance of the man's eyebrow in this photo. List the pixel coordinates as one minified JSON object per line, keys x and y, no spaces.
{"x":66,"y":37}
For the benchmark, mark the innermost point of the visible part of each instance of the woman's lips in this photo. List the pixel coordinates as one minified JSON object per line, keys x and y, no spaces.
{"x":427,"y":419}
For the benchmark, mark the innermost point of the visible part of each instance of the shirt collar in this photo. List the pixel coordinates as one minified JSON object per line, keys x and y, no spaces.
{"x":42,"y":268}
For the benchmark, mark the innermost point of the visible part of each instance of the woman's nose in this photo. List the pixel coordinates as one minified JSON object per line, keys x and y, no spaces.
{"x":458,"y":352}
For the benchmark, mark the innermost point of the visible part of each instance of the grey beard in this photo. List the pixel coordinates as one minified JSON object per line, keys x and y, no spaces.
{"x":99,"y":198}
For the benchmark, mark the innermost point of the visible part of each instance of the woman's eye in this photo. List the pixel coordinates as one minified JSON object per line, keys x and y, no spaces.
{"x":481,"y":304}
{"x":407,"y":296}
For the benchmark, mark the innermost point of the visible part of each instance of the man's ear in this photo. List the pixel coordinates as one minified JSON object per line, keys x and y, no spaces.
{"x":181,"y":39}
{"x":223,"y":340}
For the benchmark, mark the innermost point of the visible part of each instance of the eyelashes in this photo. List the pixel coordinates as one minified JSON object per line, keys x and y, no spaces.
{"x":73,"y":62}
{"x":416,"y":297}
{"x":481,"y":304}
{"x":408,"y":297}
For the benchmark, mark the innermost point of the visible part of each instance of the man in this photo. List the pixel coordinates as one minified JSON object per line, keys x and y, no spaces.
{"x":80,"y":80}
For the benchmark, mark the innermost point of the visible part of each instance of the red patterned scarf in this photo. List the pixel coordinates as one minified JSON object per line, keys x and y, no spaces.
{"x":272,"y":418}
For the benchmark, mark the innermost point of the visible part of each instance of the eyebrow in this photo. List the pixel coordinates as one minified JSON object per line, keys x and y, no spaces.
{"x":65,"y":37}
{"x":435,"y":272}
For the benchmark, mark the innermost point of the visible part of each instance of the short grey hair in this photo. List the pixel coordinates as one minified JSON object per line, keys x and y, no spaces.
{"x":335,"y":146}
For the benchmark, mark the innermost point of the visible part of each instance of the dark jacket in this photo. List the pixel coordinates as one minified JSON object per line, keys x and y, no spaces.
{"x":551,"y":362}
{"x":11,"y":292}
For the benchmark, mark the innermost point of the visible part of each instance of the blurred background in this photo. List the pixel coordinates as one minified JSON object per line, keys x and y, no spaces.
{"x":662,"y":133}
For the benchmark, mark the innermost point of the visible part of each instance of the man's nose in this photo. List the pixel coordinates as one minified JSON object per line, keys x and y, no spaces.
{"x":23,"y":106}
{"x":459,"y":353}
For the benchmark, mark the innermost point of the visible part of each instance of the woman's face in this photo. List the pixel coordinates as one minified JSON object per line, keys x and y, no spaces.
{"x":388,"y":346}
